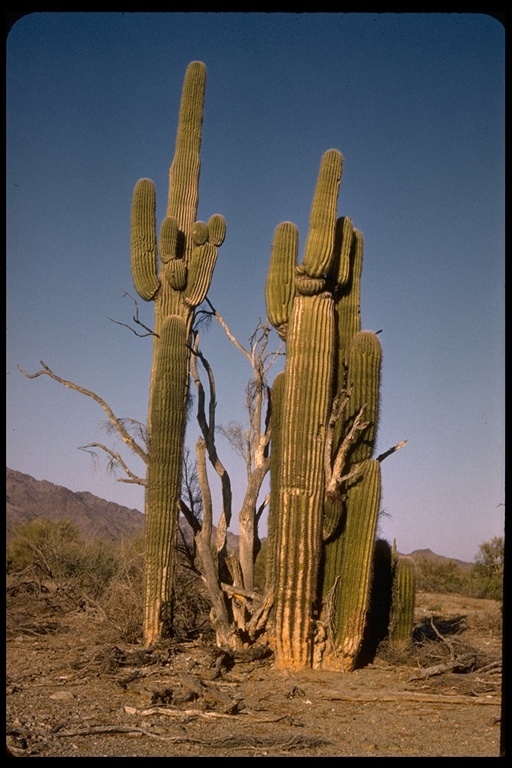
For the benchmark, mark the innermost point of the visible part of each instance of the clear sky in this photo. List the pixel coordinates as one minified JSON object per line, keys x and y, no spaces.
{"x":415,"y":102}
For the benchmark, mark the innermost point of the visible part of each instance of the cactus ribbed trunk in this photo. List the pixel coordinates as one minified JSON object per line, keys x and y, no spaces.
{"x":174,"y":271}
{"x":168,"y":416}
{"x":403,"y":600}
{"x":350,"y":574}
{"x":303,"y":314}
{"x":325,"y":485}
{"x":306,"y":407}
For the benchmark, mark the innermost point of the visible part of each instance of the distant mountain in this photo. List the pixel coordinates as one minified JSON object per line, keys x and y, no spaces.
{"x":427,"y":554}
{"x":28,"y":499}
{"x":96,"y":518}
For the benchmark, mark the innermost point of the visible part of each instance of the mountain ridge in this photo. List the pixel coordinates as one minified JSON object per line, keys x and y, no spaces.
{"x":28,"y":498}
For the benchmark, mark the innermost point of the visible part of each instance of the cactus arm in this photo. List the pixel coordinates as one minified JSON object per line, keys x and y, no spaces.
{"x":363,"y":379}
{"x":280,"y":285}
{"x":319,"y":249}
{"x":276,"y":427}
{"x":342,"y":245}
{"x":355,"y":568}
{"x":143,"y":248}
{"x":200,"y":271}
{"x":216,"y":229}
{"x":185,"y":168}
{"x":348,"y":298}
{"x":168,"y":240}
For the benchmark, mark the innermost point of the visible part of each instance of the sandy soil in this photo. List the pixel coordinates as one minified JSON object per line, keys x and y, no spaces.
{"x":74,"y":692}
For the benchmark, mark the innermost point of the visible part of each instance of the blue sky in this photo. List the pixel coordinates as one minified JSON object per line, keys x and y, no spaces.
{"x":415,"y":102}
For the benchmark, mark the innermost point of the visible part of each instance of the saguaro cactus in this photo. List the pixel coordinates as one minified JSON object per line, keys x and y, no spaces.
{"x":351,"y":516}
{"x":349,"y":596}
{"x":303,"y":311}
{"x":174,"y":271}
{"x":403,"y":600}
{"x":325,"y":499}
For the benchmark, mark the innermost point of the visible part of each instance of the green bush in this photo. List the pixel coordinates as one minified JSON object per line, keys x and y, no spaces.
{"x":483,"y":580}
{"x":486,"y":576}
{"x":105,"y":577}
{"x":49,"y":547}
{"x":440,"y":576}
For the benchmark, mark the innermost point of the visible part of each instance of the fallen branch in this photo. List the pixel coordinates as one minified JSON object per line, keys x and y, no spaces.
{"x":94,"y":729}
{"x":428,"y":698}
{"x":173,"y":712}
{"x":460,"y":664}
{"x":240,"y":741}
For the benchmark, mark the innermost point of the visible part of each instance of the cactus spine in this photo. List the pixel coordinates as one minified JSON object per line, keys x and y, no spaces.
{"x":174,"y":271}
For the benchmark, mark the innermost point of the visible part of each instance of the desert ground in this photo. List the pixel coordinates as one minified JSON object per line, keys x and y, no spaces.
{"x":74,"y":691}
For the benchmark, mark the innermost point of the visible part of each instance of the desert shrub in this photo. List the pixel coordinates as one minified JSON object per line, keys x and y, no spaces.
{"x":106,"y":578}
{"x":50,"y":548}
{"x":487,"y":574}
{"x":191,"y":604}
{"x":122,"y":598}
{"x":440,"y":576}
{"x":483,"y":580}
{"x":122,"y":601}
{"x":98,"y":565}
{"x":55,"y":550}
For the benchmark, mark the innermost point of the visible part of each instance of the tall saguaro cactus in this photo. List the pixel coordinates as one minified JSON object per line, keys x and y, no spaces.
{"x":174,"y":270}
{"x":326,"y":486}
{"x":303,"y":311}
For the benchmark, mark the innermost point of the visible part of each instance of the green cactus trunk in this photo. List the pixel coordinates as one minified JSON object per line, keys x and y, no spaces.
{"x":168,"y":409}
{"x":377,"y":622}
{"x":401,"y":622}
{"x":308,"y":382}
{"x":350,"y":514}
{"x":351,"y":575}
{"x":174,"y":271}
{"x":303,"y":313}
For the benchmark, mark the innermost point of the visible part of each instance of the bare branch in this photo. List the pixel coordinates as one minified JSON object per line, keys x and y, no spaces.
{"x":136,"y":320}
{"x":115,"y":460}
{"x":190,"y":517}
{"x":336,"y":476}
{"x":339,"y":404}
{"x":202,"y":475}
{"x":116,"y":423}
{"x":227,"y":331}
{"x":387,"y":453}
{"x":140,"y":335}
{"x":262,"y":507}
{"x":135,"y":427}
{"x":208,"y":431}
{"x":234,"y":591}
